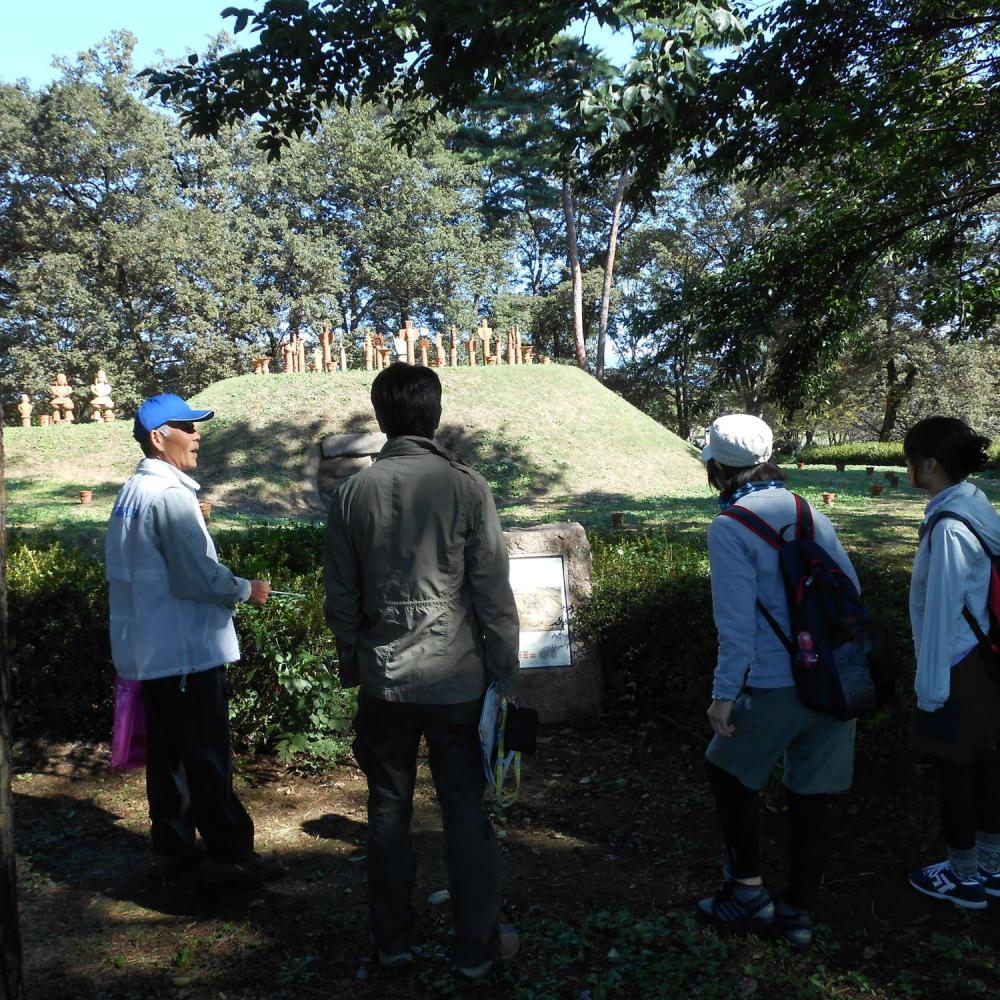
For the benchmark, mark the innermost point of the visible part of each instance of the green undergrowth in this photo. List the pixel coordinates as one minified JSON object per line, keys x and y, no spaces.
{"x":285,"y":696}
{"x":889,"y":453}
{"x":650,"y":614}
{"x":662,"y":956}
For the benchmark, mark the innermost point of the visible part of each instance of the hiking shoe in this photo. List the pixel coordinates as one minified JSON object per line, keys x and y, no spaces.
{"x":257,"y":868}
{"x":795,"y":926}
{"x":990,"y":880}
{"x":940,"y":882}
{"x":169,"y":867}
{"x":507,"y":948}
{"x":751,"y":908}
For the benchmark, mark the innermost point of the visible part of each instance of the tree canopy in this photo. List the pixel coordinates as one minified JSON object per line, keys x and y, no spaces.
{"x":446,"y":53}
{"x":883,"y":121}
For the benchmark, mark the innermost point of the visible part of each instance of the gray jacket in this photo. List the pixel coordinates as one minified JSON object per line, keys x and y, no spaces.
{"x":416,"y":576}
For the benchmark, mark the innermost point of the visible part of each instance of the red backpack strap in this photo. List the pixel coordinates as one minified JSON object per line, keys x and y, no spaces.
{"x":756,"y":524}
{"x":804,"y":527}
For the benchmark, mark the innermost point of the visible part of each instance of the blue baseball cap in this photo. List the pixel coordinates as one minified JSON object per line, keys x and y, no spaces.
{"x":160,"y":410}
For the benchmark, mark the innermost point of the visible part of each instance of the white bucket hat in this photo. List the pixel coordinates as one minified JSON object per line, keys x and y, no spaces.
{"x":738,"y":440}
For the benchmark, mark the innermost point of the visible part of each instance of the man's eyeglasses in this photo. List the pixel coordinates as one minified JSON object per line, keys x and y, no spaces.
{"x":182,"y":425}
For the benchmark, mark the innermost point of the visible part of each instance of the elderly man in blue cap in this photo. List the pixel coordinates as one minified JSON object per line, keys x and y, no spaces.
{"x":172,"y":629}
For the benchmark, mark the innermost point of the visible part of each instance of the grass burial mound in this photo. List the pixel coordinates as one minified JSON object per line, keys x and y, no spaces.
{"x":551,"y":441}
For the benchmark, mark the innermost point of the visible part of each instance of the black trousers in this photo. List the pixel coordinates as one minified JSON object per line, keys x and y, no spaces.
{"x":189,"y":767}
{"x":809,"y":840}
{"x":386,"y":742}
{"x":969,"y":798}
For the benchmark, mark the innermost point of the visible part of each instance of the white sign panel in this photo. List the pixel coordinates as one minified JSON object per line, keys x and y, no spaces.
{"x":539,"y":585}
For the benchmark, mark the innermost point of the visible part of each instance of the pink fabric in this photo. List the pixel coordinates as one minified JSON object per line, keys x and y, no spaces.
{"x":128,"y":739}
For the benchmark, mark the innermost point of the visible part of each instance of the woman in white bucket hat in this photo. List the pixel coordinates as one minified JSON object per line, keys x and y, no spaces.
{"x":756,"y":716}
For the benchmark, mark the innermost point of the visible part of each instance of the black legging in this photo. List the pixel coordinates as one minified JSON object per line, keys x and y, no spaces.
{"x":969,"y":798}
{"x":809,"y":841}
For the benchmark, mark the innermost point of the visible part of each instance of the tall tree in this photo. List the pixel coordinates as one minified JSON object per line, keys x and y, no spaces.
{"x":885,"y":118}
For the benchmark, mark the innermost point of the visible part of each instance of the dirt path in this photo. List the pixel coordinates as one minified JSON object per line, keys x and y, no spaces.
{"x":613,"y":839}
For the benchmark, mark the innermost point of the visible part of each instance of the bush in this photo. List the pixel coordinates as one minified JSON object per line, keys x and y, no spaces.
{"x":873,"y":453}
{"x":856,"y":453}
{"x":285,"y":695}
{"x":58,"y":643}
{"x":651,"y":615}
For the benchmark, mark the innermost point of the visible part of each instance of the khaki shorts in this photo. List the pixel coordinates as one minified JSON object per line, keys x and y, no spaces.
{"x":772,"y":727}
{"x":969,"y":722}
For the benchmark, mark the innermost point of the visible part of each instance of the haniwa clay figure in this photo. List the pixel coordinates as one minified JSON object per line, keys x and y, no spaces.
{"x":61,"y":403}
{"x":102,"y":406}
{"x":24,"y":409}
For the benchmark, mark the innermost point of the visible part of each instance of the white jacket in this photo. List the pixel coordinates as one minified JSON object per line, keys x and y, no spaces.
{"x":161,"y":623}
{"x":950,"y":571}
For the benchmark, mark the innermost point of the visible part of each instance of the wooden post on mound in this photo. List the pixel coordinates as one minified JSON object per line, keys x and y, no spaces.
{"x":11,"y":976}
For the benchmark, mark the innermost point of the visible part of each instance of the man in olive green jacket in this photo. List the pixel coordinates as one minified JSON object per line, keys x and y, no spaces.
{"x":418,"y":596}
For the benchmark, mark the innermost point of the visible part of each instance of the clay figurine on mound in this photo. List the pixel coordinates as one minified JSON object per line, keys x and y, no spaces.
{"x":102,"y":406}
{"x":24,"y":409}
{"x":61,"y":403}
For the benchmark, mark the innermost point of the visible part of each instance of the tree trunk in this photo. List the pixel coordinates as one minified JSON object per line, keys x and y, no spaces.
{"x":11,"y":982}
{"x":609,"y":270}
{"x":896,"y":392}
{"x":573,"y":256}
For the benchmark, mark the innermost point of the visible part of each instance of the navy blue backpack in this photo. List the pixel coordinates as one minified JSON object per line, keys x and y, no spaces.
{"x":836,"y":661}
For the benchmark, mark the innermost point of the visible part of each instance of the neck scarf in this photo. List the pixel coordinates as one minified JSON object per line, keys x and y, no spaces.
{"x":768,"y":484}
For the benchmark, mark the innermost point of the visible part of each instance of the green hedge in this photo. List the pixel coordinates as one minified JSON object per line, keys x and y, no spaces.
{"x":650,"y":614}
{"x":872,"y":453}
{"x":284,"y":692}
{"x":857,"y":453}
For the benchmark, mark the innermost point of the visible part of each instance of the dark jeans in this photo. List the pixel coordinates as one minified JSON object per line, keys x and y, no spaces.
{"x":809,"y":841}
{"x":969,"y":798}
{"x":386,"y":742}
{"x":189,"y":767}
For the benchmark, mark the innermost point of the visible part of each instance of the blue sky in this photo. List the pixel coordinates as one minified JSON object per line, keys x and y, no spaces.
{"x":35,"y":31}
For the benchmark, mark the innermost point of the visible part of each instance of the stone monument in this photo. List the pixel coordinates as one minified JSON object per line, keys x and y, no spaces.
{"x":551,"y":575}
{"x":24,"y":409}
{"x":61,"y":403}
{"x":341,"y":455}
{"x":102,"y":406}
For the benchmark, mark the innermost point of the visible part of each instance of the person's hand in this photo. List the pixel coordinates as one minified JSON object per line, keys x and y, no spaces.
{"x":718,"y":717}
{"x":260,"y":591}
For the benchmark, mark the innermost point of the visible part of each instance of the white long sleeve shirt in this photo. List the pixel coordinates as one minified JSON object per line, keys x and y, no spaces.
{"x":950,"y":571}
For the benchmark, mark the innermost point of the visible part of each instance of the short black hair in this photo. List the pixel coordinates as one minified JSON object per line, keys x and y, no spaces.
{"x":727,"y":479}
{"x":958,"y":449}
{"x":407,"y":400}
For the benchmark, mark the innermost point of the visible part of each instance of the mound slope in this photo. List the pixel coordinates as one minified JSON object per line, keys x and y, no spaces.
{"x":548,"y":438}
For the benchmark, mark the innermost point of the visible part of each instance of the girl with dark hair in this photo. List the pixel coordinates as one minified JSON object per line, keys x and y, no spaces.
{"x":756,"y":715}
{"x":957,"y":719}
